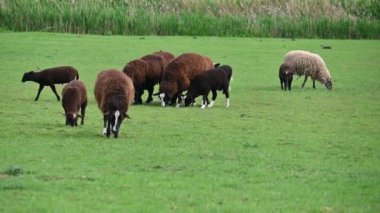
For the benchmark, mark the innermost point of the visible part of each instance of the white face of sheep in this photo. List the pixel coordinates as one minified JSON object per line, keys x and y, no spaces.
{"x":71,"y":119}
{"x":114,"y":121}
{"x":117,"y":115}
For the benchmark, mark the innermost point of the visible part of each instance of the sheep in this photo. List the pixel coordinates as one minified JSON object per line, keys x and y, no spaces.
{"x":74,"y":97}
{"x":285,"y":74}
{"x":114,"y":93}
{"x":178,"y":75}
{"x":168,"y":57}
{"x":51,"y":76}
{"x":309,"y":64}
{"x":211,"y":80}
{"x":147,"y":72}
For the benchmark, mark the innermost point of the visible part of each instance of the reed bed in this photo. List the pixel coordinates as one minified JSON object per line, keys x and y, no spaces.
{"x":340,"y":19}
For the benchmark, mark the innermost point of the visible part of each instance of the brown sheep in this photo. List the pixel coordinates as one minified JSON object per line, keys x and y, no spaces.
{"x":114,"y":93}
{"x":179,"y":73}
{"x":168,"y":57}
{"x":74,"y":98}
{"x":147,"y":72}
{"x":51,"y":76}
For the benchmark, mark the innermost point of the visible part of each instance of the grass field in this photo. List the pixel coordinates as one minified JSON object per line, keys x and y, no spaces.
{"x":271,"y":151}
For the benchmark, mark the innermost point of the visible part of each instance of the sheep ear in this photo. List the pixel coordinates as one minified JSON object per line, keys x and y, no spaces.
{"x":216,"y":65}
{"x":126,"y":115}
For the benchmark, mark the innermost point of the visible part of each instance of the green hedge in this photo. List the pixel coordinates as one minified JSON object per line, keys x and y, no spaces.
{"x":344,"y":19}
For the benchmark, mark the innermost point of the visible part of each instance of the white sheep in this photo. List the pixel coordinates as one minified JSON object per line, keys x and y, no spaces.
{"x":309,"y":64}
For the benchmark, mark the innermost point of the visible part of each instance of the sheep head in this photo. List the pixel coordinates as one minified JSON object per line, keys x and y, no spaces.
{"x":326,"y":79}
{"x":286,"y":72}
{"x":27,"y":76}
{"x":114,"y":120}
{"x":188,"y":100}
{"x":167,"y":92}
{"x":328,"y":84}
{"x":72,"y":119}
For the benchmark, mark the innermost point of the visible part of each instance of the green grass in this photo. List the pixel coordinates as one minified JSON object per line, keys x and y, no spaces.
{"x":271,"y":151}
{"x":343,"y":19}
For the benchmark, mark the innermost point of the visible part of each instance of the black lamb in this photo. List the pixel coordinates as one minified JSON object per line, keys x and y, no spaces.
{"x":285,"y":74}
{"x":51,"y":76}
{"x":211,"y":80}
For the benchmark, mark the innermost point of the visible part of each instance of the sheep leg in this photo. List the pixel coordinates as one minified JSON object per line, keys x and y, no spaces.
{"x":39,"y":92}
{"x":304,"y":81}
{"x":83,"y":111}
{"x":150,"y":93}
{"x":204,"y":102}
{"x":290,"y":84}
{"x":313,"y":83}
{"x":281,"y":82}
{"x":178,"y":99}
{"x":105,"y":124}
{"x":227,"y":94}
{"x":214,"y":94}
{"x":138,"y":93}
{"x":286,"y":84}
{"x":55,"y":91}
{"x":108,"y":133}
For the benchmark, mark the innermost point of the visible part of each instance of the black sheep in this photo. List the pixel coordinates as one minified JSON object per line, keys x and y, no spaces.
{"x":285,"y":74}
{"x":51,"y":76}
{"x":211,"y":80}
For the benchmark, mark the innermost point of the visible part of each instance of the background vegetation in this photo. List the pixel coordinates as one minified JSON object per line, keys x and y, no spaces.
{"x":344,"y":19}
{"x":272,"y":151}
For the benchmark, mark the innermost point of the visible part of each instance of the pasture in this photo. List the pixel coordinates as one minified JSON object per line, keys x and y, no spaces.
{"x":272,"y":151}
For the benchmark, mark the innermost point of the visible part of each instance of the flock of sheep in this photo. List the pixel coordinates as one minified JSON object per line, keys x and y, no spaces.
{"x":115,"y":91}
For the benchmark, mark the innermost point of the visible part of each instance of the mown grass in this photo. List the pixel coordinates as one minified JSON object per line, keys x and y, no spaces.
{"x":345,"y":19}
{"x":301,"y":151}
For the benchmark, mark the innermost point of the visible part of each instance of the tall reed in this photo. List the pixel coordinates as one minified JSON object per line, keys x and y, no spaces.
{"x":346,"y":19}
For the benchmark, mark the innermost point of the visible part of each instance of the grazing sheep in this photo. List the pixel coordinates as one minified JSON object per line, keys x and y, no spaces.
{"x":74,"y":97}
{"x":147,"y":72}
{"x":286,"y":77}
{"x":51,"y":76}
{"x":309,"y":64}
{"x":179,"y":73}
{"x":114,"y":93}
{"x":211,"y":80}
{"x":168,"y":57}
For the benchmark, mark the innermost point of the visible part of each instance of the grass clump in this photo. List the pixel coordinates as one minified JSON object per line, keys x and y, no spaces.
{"x":14,"y":171}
